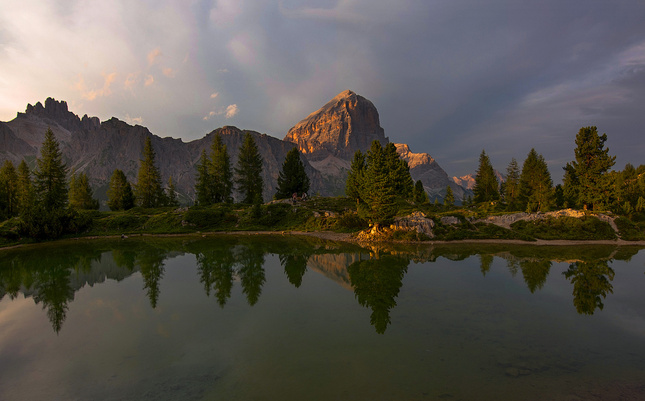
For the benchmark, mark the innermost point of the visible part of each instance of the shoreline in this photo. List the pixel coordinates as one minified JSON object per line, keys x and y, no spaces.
{"x":348,"y":237}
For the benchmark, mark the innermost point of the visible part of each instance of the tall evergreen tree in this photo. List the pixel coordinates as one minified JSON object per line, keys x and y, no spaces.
{"x":8,"y":190}
{"x":379,"y":191}
{"x":512,"y":186}
{"x":149,"y":192}
{"x":219,"y":172}
{"x":420,"y":195}
{"x":171,"y":197}
{"x":26,"y":196}
{"x":81,"y":196}
{"x":120,"y":195}
{"x":293,"y":177}
{"x":355,"y":179}
{"x":249,"y":171}
{"x":536,"y":186}
{"x":203,"y":182}
{"x":449,"y":199}
{"x":486,"y":184}
{"x":51,"y":175}
{"x":399,"y":172}
{"x":592,"y":162}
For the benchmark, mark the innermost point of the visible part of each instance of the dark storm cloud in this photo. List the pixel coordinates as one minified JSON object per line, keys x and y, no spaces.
{"x":448,"y":77}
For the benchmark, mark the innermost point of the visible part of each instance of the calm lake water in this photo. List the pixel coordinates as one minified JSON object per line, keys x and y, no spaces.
{"x":295,"y":318}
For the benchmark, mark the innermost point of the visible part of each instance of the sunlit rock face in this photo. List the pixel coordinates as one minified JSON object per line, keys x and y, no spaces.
{"x":347,"y":123}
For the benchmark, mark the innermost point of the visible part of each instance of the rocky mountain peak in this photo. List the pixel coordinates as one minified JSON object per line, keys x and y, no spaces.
{"x":57,"y":111}
{"x":347,"y":123}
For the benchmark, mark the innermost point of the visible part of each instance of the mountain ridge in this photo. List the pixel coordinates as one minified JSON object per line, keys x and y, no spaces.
{"x":327,"y":138}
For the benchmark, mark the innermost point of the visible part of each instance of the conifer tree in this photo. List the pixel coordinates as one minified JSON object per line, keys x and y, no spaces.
{"x":171,"y":197}
{"x":219,"y":172}
{"x":486,"y":184}
{"x":420,"y":195}
{"x":50,"y":175}
{"x":536,"y":186}
{"x":249,"y":171}
{"x":25,"y":188}
{"x":379,"y":192}
{"x":81,"y":194}
{"x":149,"y":192}
{"x":203,"y":182}
{"x":120,"y":195}
{"x":399,"y":172}
{"x":293,"y":177}
{"x":8,"y":190}
{"x":512,"y":186}
{"x":449,"y":199}
{"x":354,"y":183}
{"x":588,"y":170}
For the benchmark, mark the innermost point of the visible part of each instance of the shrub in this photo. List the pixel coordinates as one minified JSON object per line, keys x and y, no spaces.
{"x":569,"y":228}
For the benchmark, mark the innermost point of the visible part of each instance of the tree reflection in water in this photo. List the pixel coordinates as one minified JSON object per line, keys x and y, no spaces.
{"x":52,"y":274}
{"x":591,"y":283}
{"x":376,"y":284}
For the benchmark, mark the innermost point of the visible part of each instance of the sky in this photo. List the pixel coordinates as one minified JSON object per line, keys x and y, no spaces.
{"x":449,"y":77}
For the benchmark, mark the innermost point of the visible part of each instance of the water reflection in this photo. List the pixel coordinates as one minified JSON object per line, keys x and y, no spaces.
{"x":52,"y":273}
{"x":591,"y":283}
{"x":376,"y":284}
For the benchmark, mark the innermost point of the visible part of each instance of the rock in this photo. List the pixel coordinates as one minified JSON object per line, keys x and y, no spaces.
{"x":417,"y":221}
{"x":345,"y":124}
{"x":449,"y":220}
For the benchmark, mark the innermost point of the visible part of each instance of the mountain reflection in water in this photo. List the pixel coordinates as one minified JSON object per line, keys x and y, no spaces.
{"x":51,"y":274}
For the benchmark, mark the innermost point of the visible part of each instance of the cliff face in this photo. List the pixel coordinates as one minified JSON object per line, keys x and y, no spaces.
{"x":327,"y":138}
{"x":97,"y":149}
{"x":347,"y":123}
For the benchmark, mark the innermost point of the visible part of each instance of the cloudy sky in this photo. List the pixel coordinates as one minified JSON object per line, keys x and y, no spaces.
{"x":448,"y":77}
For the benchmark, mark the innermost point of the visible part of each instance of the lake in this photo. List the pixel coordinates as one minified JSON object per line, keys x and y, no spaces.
{"x":297,"y":318}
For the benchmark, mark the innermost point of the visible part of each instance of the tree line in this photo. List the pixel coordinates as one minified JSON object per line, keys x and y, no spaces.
{"x":588,"y":182}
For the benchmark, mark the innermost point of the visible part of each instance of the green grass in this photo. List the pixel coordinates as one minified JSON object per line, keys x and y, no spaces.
{"x":630,"y":231}
{"x":566,"y":228}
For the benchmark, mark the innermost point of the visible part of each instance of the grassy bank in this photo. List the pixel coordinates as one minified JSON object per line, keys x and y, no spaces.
{"x":328,"y":214}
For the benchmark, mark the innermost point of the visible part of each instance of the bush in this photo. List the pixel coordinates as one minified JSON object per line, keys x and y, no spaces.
{"x":207,"y":217}
{"x":349,"y":222}
{"x":568,"y":228}
{"x":630,"y":231}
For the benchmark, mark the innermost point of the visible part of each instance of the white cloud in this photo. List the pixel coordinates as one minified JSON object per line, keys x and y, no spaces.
{"x":225,"y":12}
{"x":231,"y":110}
{"x":168,"y":72}
{"x":149,"y":80}
{"x":214,"y":95}
{"x":133,"y":120}
{"x":91,"y":94}
{"x":153,"y":56}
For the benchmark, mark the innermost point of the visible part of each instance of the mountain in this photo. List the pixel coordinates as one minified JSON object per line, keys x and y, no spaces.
{"x":331,"y":135}
{"x":327,"y":139}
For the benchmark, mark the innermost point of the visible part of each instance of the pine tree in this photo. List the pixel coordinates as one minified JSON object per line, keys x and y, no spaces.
{"x":203,"y":182}
{"x":293,"y":177}
{"x":50,"y":175}
{"x":81,"y":194}
{"x":8,"y":190}
{"x":149,"y":192}
{"x":420,"y":195}
{"x":354,"y":183}
{"x":171,"y":197}
{"x":379,"y":192}
{"x":26,"y":196}
{"x":512,"y":186}
{"x":249,"y":171}
{"x":220,"y":172}
{"x":120,"y":195}
{"x":449,"y":199}
{"x":399,"y":172}
{"x":536,"y":186}
{"x":486,"y":185}
{"x":592,"y":162}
